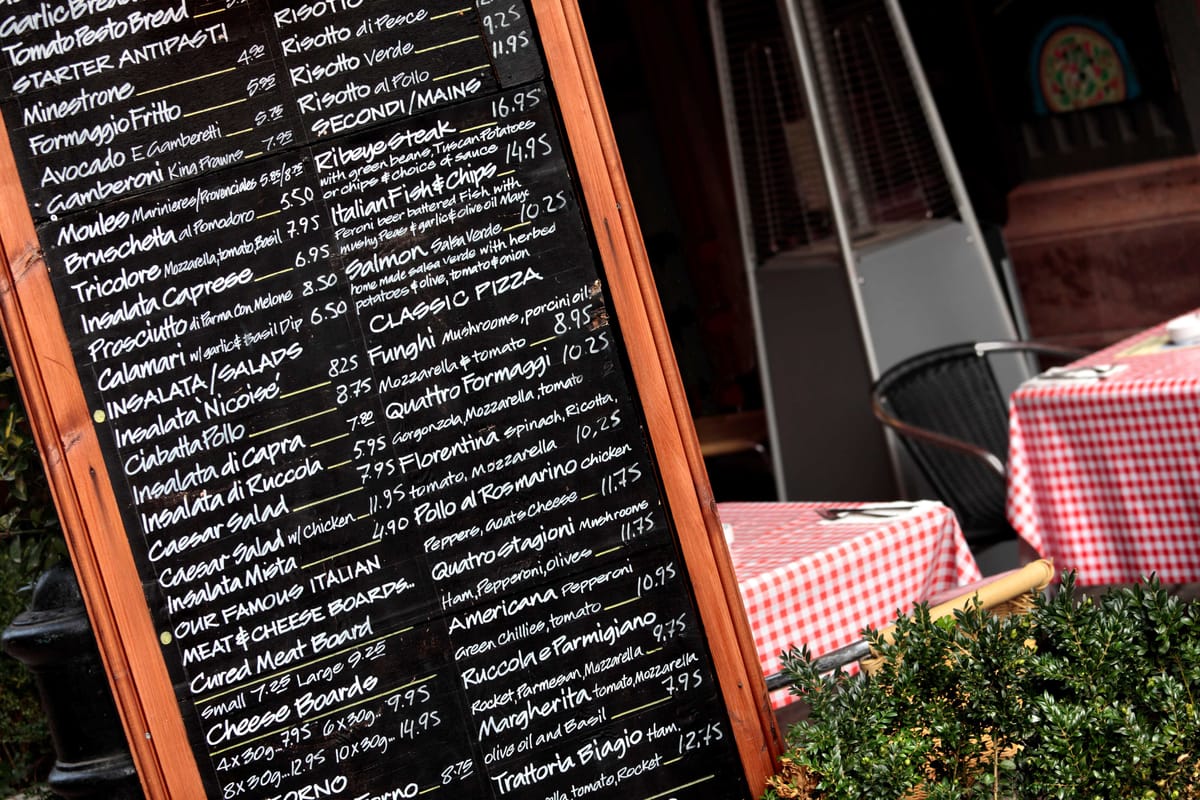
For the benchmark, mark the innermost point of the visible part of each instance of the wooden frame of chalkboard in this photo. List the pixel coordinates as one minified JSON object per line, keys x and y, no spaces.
{"x":703,"y":733}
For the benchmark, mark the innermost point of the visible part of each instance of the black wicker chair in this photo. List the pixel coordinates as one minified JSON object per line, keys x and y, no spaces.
{"x":950,"y":413}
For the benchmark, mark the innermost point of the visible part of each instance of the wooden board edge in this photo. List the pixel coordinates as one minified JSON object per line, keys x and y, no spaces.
{"x":659,"y":385}
{"x":87,"y":506}
{"x":674,"y":382}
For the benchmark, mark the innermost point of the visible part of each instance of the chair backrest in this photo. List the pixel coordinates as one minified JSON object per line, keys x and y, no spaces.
{"x":952,"y":391}
{"x":952,"y":417}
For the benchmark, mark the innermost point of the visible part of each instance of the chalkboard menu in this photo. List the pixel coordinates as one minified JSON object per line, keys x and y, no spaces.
{"x":349,"y":354}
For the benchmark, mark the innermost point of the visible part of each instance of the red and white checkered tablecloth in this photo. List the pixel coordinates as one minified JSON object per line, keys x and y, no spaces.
{"x":805,"y":580}
{"x":1104,"y":474}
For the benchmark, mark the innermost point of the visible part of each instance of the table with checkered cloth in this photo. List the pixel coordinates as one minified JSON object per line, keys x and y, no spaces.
{"x":805,"y":580}
{"x":1104,"y":474}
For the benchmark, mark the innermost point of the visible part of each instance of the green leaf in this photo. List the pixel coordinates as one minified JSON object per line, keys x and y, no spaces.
{"x":1089,"y":698}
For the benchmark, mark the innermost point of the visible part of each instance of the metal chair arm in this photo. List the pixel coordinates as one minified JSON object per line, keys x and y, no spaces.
{"x":940,"y":439}
{"x":1037,"y":348}
{"x":982,"y":349}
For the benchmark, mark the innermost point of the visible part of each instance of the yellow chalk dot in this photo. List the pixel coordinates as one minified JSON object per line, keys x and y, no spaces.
{"x":165,"y":637}
{"x":99,"y":416}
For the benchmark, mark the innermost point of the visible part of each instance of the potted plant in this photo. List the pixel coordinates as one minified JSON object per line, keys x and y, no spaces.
{"x":1078,"y":698}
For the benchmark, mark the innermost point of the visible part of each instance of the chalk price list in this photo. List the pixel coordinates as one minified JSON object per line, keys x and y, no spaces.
{"x":108,"y":97}
{"x":363,"y":398}
{"x":367,"y":407}
{"x":214,"y":371}
{"x":497,"y":327}
{"x":521,"y":334}
{"x":104,"y":97}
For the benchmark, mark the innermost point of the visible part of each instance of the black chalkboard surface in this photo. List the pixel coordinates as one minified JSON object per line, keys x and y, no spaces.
{"x":366,"y":409}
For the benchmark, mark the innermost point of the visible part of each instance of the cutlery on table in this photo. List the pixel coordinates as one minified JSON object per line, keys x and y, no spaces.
{"x":864,"y":511}
{"x":1098,"y":371}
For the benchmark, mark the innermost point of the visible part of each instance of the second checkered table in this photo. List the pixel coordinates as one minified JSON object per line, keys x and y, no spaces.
{"x":1104,"y":468}
{"x":806,"y":580}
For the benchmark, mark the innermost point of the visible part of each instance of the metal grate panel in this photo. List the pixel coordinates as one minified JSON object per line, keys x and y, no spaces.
{"x":884,"y":158}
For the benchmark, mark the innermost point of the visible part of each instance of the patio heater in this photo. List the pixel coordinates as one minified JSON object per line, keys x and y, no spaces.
{"x":860,"y":243}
